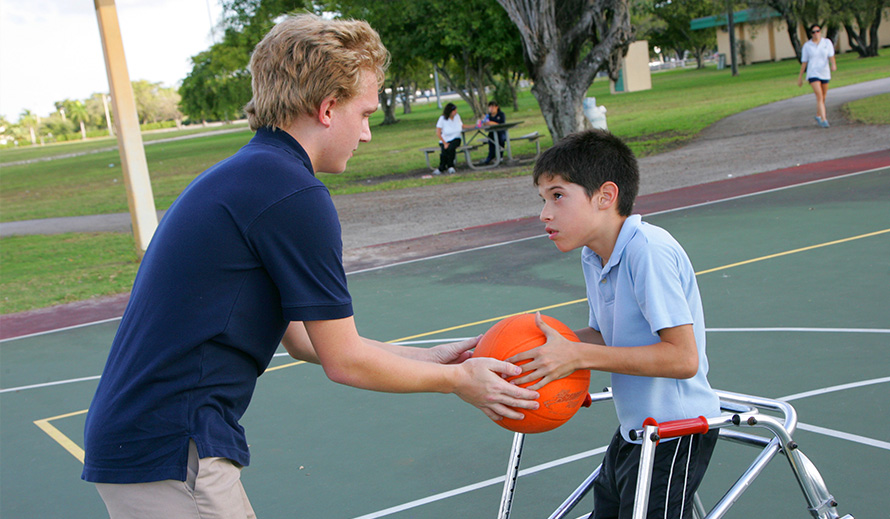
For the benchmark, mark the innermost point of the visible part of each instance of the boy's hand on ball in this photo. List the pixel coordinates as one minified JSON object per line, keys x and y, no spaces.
{"x":482,"y":386}
{"x":551,"y":361}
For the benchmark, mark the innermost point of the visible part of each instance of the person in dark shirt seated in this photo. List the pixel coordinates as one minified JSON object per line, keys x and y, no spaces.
{"x":494,"y":116}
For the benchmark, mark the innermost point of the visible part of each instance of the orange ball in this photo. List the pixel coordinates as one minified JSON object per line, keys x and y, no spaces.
{"x":560,"y":399}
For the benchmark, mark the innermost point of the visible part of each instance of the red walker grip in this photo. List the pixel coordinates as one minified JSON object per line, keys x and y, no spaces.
{"x":677,"y":428}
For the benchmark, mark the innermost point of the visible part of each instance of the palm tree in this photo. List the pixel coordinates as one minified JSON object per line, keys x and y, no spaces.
{"x":78,"y":113}
{"x":29,"y":120}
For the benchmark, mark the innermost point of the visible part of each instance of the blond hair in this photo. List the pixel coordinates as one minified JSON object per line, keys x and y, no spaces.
{"x":305,"y":59}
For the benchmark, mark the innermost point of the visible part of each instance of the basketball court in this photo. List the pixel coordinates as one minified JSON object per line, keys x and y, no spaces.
{"x":794,"y":278}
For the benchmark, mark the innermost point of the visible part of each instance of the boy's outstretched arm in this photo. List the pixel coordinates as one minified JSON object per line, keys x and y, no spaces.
{"x":675,"y":356}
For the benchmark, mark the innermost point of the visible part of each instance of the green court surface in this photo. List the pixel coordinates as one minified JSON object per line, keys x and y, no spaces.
{"x":794,"y":283}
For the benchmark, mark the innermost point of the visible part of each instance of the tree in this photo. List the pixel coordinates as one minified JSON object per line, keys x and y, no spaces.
{"x":96,"y":109}
{"x":565,"y":43}
{"x":154,"y":102}
{"x":472,"y":44}
{"x":218,"y":85}
{"x":674,"y":33}
{"x":29,"y":120}
{"x":398,"y":23}
{"x":77,"y":111}
{"x":866,"y":15}
{"x":805,"y":13}
{"x":471,"y":47}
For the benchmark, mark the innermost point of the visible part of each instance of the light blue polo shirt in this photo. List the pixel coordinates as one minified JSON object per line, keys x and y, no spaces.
{"x":647,"y":285}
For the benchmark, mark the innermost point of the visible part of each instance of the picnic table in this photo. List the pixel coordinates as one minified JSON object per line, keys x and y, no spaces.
{"x":471,"y":134}
{"x":475,"y":138}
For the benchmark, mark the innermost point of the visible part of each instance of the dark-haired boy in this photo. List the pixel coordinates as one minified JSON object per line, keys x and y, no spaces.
{"x":646,"y":324}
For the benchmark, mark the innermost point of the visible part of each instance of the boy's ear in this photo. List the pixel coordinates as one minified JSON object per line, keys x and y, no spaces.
{"x":607,"y":196}
{"x":325,"y":111}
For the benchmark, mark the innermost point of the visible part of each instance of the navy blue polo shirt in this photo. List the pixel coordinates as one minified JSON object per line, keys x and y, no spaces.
{"x":250,"y":245}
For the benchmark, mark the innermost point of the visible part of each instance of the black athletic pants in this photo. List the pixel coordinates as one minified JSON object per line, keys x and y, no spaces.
{"x":678,"y":470}
{"x":446,"y":158}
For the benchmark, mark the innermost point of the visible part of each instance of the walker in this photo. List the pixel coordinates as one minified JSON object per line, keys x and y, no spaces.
{"x":739,"y":412}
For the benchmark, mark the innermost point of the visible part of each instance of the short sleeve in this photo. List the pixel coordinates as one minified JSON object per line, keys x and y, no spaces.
{"x":299,"y":244}
{"x":658,"y":288}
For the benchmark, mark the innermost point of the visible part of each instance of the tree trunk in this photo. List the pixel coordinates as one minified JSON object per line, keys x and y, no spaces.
{"x":865,"y":40}
{"x":386,"y":102}
{"x":791,"y":27}
{"x":554,"y":34}
{"x":473,"y":90}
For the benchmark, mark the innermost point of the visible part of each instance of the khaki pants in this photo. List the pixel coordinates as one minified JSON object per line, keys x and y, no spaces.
{"x":212,"y":491}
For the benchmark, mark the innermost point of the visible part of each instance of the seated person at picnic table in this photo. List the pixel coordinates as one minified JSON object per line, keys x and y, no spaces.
{"x":646,"y":324}
{"x":494,"y":116}
{"x":448,"y":130}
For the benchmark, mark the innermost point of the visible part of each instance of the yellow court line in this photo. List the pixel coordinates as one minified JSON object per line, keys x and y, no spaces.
{"x":59,"y":437}
{"x":493,"y":319}
{"x":786,"y":253}
{"x":286,"y":365}
{"x":724,"y":267}
{"x":78,"y":453}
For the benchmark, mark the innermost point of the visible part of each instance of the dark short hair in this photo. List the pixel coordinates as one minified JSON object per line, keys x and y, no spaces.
{"x":450,"y":107}
{"x":591,"y":158}
{"x":493,"y":103}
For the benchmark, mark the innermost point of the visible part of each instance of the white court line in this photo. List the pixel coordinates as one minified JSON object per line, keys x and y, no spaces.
{"x":692,"y":206}
{"x":482,"y":484}
{"x":803,"y":426}
{"x":773,"y":190}
{"x":48,"y":384}
{"x":845,"y":436}
{"x":817,"y":330}
{"x":832,"y":389}
{"x":63,"y":329}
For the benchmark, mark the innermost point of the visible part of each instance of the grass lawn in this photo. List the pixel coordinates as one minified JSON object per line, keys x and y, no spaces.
{"x":871,"y":110}
{"x":680,"y":105}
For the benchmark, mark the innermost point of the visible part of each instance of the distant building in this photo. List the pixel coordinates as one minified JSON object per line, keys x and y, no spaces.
{"x":762,"y":35}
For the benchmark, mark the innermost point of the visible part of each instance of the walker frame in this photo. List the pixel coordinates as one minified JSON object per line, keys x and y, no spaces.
{"x":739,"y":412}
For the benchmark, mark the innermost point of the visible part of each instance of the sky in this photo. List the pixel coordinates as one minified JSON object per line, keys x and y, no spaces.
{"x":50,"y":50}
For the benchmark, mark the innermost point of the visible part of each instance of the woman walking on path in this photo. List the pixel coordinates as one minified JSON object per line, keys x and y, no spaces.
{"x":817,"y":59}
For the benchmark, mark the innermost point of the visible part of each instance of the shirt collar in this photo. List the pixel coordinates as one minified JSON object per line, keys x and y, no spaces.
{"x":281,"y":139}
{"x":628,"y":230}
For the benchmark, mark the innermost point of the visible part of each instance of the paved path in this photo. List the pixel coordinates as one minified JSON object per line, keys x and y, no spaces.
{"x":767,"y":138}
